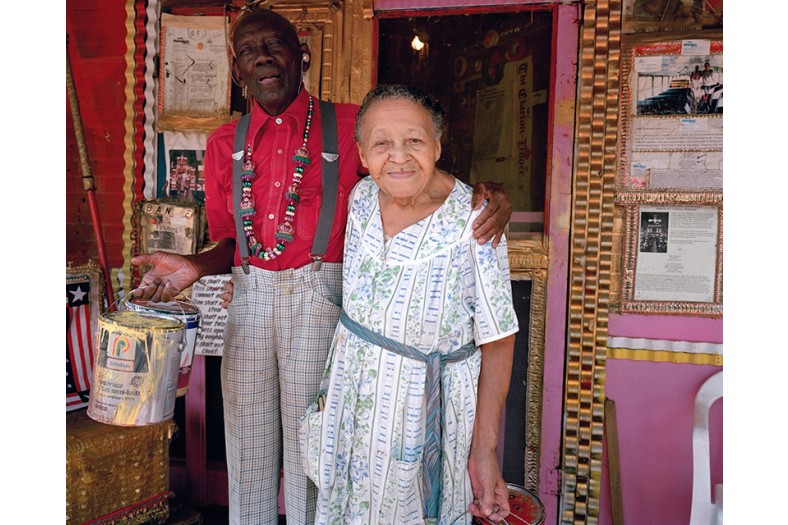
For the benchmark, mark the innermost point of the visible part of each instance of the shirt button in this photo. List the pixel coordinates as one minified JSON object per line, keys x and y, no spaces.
{"x":277,"y":184}
{"x":279,"y":151}
{"x":271,"y":216}
{"x":278,"y":120}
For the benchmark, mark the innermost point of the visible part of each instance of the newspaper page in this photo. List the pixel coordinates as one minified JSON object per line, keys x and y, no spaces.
{"x":677,"y":254}
{"x":205,"y":295}
{"x":195,"y":68}
{"x":502,"y":136}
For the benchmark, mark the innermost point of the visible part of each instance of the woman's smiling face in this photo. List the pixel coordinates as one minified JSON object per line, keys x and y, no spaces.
{"x":399,"y":146}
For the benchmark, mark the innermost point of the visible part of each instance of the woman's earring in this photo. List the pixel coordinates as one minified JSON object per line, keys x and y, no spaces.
{"x":245,"y":91}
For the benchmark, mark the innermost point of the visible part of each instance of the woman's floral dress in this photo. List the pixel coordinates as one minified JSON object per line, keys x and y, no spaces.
{"x":433,"y":287}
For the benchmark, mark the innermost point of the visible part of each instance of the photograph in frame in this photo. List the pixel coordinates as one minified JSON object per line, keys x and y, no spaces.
{"x":184,"y":157}
{"x":672,"y":118}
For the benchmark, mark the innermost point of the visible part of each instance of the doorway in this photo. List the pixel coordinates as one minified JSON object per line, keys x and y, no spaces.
{"x":506,"y":76}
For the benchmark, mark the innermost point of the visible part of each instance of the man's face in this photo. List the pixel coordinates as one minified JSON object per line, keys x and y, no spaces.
{"x":268,"y":61}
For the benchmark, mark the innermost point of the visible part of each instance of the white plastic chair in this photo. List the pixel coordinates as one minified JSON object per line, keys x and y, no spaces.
{"x":706,"y":509}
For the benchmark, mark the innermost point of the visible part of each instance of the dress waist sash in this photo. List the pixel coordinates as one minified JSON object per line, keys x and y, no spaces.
{"x":433,"y":400}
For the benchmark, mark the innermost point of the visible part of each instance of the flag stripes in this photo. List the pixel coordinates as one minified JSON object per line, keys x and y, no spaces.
{"x":79,"y":343}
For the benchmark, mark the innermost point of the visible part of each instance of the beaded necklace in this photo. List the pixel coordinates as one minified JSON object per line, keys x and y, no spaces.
{"x":286,"y":230}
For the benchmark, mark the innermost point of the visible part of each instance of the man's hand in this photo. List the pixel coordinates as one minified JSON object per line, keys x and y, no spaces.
{"x":490,"y":493}
{"x":227,"y":295}
{"x":170,"y":275}
{"x":493,"y":219}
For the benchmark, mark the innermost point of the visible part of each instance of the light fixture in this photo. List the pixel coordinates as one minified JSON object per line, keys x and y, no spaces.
{"x":421,"y":40}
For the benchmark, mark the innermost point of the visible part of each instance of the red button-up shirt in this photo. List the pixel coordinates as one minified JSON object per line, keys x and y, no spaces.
{"x":274,"y":140}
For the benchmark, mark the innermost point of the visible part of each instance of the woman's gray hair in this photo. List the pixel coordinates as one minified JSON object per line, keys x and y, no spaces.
{"x":401,"y":91}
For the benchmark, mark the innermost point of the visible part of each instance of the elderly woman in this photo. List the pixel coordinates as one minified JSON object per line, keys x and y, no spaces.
{"x":405,"y":428}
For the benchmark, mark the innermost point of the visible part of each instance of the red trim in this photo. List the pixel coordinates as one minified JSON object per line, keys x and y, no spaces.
{"x":672,"y":48}
{"x":205,"y":11}
{"x":196,"y":440}
{"x":98,"y":232}
{"x":548,"y":176}
{"x":150,"y":502}
{"x":471,"y":10}
{"x":567,"y":19}
{"x":138,"y":123}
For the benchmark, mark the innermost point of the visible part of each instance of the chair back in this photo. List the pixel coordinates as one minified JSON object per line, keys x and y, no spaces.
{"x":705,"y":510}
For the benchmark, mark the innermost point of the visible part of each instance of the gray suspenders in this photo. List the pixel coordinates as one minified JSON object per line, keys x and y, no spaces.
{"x":238,"y":162}
{"x":330,"y":185}
{"x":328,"y":205}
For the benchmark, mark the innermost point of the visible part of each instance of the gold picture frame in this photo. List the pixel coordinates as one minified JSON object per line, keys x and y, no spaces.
{"x":677,"y":281}
{"x":669,"y":179}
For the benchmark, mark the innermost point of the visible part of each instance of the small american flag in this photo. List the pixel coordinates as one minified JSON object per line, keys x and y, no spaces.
{"x":79,"y":344}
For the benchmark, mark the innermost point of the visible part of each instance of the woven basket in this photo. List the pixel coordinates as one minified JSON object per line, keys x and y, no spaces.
{"x":116,"y":475}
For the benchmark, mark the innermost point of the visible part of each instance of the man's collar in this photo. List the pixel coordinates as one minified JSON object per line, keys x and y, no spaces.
{"x":296,"y":112}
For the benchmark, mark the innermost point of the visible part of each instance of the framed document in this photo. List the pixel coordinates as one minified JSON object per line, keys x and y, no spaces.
{"x":670,"y":177}
{"x":673,"y":259}
{"x":194,"y":73}
{"x":671,"y":113}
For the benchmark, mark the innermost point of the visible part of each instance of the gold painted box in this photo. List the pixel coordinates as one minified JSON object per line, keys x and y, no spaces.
{"x":116,"y":475}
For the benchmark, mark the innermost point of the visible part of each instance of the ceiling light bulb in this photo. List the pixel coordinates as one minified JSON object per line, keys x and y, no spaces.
{"x":417,"y":44}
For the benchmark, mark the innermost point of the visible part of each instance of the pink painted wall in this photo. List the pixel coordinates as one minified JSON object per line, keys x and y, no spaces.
{"x":654,"y":408}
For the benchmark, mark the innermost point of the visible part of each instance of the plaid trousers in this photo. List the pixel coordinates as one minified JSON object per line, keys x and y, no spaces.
{"x":279,"y":329}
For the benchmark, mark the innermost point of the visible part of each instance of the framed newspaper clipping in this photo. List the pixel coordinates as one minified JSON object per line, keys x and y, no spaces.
{"x":194,"y":75}
{"x":673,"y":259}
{"x":670,"y":174}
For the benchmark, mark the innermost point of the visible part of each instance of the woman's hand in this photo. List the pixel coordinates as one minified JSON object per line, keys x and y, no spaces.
{"x":490,"y":494}
{"x":493,"y":219}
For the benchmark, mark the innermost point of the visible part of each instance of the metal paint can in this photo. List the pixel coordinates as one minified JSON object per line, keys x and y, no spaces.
{"x":136,"y":371}
{"x":184,"y":311}
{"x":525,"y":509}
